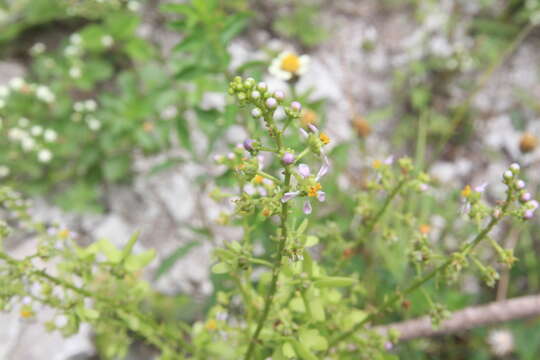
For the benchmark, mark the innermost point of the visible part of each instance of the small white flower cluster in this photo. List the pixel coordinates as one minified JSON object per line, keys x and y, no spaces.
{"x":19,"y":85}
{"x":33,"y":139}
{"x":83,"y":111}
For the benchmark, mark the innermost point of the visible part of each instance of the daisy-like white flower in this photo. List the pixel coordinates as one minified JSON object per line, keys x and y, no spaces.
{"x":288,"y":65}
{"x":44,"y":156}
{"x":501,"y":342}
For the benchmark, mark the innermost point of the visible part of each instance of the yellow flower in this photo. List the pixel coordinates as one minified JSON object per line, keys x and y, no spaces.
{"x":324,"y":138}
{"x":290,"y":63}
{"x":258,"y":179}
{"x":308,"y":117}
{"x":26,"y":313}
{"x":376,"y":164}
{"x":466,"y":191}
{"x":314,"y":189}
{"x":211,"y":325}
{"x":64,"y":233}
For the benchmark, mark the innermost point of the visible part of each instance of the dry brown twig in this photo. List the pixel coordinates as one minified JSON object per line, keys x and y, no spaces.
{"x":475,"y":316}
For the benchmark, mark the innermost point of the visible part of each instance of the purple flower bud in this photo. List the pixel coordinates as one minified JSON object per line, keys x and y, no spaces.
{"x":271,"y":103}
{"x":423,"y":187}
{"x":321,"y":196}
{"x":287,"y":158}
{"x":262,"y":86}
{"x":528,"y":214}
{"x":255,"y":94}
{"x":256,"y":113}
{"x":279,"y":95}
{"x":303,"y":170}
{"x":533,"y":204}
{"x":248,"y":144}
{"x":230,"y":156}
{"x":313,"y":128}
{"x":520,"y":184}
{"x":296,"y":106}
{"x":525,"y":197}
{"x":389,"y":160}
{"x":307,"y":207}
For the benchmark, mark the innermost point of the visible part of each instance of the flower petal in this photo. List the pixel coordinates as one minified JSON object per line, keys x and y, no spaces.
{"x":321,"y":196}
{"x":303,"y":170}
{"x":289,"y":195}
{"x":304,"y":133}
{"x":307,"y":207}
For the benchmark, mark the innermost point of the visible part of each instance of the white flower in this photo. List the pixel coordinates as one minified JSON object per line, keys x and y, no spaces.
{"x":90,"y":105}
{"x":78,"y":106}
{"x":24,"y":122}
{"x":36,"y":130}
{"x":44,"y":155}
{"x":61,"y":321}
{"x":37,"y":48}
{"x":28,"y":143}
{"x":93,"y":123}
{"x":71,"y":50}
{"x":44,"y":94}
{"x":75,"y":39}
{"x":169,"y":112}
{"x":75,"y":72}
{"x":4,"y":171}
{"x":288,"y":64}
{"x":107,"y":40}
{"x":16,"y":83}
{"x":133,"y":5}
{"x":4,"y":91}
{"x":50,"y":135}
{"x":16,"y":134}
{"x":501,"y":342}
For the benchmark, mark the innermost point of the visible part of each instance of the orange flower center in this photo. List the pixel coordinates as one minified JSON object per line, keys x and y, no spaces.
{"x":258,"y":179}
{"x":324,"y":138}
{"x":308,"y":117}
{"x":376,"y":164}
{"x":290,"y":63}
{"x":314,"y":189}
{"x":424,"y":229}
{"x":466,"y":191}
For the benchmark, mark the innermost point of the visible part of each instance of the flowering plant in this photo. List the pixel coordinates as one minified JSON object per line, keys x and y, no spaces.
{"x":303,"y":298}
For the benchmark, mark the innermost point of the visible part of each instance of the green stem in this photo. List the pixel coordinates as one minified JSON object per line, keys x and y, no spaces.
{"x":417,"y":284}
{"x":275,"y":272}
{"x":482,"y":81}
{"x":268,"y":176}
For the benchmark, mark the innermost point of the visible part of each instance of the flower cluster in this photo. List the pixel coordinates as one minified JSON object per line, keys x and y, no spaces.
{"x":302,"y":182}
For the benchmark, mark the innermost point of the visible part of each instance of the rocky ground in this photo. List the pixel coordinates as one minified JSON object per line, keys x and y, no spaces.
{"x":354,"y":82}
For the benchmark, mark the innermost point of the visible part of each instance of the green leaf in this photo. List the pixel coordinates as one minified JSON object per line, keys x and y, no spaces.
{"x":302,"y":227}
{"x":313,"y":340}
{"x":316,"y":308}
{"x":302,"y":351}
{"x":139,"y":261}
{"x":182,"y":129}
{"x":334,"y":281}
{"x":220,"y":268}
{"x":311,"y":241}
{"x":109,"y":250}
{"x":297,"y":304}
{"x":233,"y":26}
{"x":178,"y":254}
{"x":288,"y":350}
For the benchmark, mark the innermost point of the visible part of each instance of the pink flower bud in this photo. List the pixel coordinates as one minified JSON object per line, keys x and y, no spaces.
{"x":287,"y":158}
{"x":271,"y":103}
{"x":296,"y":106}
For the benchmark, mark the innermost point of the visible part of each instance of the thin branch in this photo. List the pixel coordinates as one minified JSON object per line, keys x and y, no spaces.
{"x":468,"y":318}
